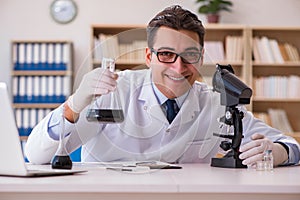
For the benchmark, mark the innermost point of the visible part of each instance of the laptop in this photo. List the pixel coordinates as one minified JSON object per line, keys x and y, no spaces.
{"x":12,"y":162}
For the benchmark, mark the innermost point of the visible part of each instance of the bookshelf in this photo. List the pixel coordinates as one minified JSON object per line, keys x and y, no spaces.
{"x":230,"y":44}
{"x":126,"y":44}
{"x":41,"y":80}
{"x":233,"y":42}
{"x":129,"y":35}
{"x":280,"y":77}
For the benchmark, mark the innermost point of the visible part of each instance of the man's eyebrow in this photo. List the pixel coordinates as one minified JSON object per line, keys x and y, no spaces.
{"x":166,"y":48}
{"x":192,"y":48}
{"x":172,"y":49}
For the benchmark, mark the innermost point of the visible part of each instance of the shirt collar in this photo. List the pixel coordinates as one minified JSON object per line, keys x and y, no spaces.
{"x":162,"y":98}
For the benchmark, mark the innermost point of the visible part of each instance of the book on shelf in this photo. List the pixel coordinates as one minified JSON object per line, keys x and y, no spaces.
{"x":132,"y":52}
{"x":41,"y":89}
{"x":256,"y":49}
{"x":106,"y":45}
{"x":269,"y":50}
{"x":277,"y":86}
{"x":214,"y":52}
{"x":292,"y":52}
{"x":266,"y":50}
{"x":41,"y":55}
{"x":27,"y":118}
{"x":234,"y":48}
{"x":275,"y":51}
{"x":293,"y":86}
{"x":283,"y":52}
{"x":263,"y":116}
{"x":279,"y":120}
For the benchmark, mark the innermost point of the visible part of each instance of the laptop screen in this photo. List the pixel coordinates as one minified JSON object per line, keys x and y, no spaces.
{"x":11,"y":155}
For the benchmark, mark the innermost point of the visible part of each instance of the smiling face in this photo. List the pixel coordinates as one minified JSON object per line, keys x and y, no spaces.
{"x":174,"y":79}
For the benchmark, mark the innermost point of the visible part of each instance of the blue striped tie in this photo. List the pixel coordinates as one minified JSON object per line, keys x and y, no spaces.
{"x":171,"y":112}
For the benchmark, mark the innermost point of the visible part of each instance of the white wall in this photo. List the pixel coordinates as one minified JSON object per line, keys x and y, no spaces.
{"x":30,"y":19}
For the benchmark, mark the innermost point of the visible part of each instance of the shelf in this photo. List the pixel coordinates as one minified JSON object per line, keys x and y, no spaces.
{"x":217,"y":32}
{"x":276,"y":69}
{"x":225,"y":62}
{"x":41,"y":79}
{"x":114,"y":29}
{"x":36,"y":105}
{"x":41,"y":73}
{"x":285,"y":64}
{"x":41,"y":41}
{"x":123,"y":65}
{"x":282,"y":100}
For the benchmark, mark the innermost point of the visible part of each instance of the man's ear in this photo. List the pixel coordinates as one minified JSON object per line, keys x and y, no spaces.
{"x":148,"y":56}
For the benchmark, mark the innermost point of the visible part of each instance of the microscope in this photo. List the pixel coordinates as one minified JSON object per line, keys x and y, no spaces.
{"x":233,"y":92}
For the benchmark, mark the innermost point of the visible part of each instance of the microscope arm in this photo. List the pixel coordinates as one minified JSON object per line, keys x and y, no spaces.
{"x":238,"y":129}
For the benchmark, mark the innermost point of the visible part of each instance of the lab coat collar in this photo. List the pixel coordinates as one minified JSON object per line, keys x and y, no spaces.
{"x":149,"y":99}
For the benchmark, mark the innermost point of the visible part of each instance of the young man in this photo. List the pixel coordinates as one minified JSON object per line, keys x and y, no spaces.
{"x":174,"y":57}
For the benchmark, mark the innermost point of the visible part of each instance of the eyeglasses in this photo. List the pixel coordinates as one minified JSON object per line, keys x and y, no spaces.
{"x":188,"y":57}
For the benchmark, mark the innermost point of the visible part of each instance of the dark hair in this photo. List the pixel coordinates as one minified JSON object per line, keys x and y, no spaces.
{"x":177,"y":18}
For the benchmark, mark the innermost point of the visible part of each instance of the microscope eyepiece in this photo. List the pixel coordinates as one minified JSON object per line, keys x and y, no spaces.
{"x":233,"y":90}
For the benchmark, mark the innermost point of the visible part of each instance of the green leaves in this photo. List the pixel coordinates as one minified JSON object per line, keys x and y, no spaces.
{"x":214,"y":6}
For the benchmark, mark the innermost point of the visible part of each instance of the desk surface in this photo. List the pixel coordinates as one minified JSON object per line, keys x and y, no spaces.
{"x":190,"y":182}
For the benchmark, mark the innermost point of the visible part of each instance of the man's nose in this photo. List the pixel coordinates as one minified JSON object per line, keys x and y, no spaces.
{"x":179,"y":66}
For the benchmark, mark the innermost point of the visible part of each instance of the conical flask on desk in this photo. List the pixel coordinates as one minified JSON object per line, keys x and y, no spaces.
{"x":61,"y":159}
{"x":106,"y":108}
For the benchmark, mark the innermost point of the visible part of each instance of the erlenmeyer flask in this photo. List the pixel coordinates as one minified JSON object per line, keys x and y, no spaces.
{"x":107,"y":108}
{"x":61,"y":159}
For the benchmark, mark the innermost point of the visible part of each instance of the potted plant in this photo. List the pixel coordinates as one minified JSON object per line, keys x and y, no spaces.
{"x":212,"y":8}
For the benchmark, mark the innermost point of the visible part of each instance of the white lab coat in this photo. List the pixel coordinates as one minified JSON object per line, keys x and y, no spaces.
{"x":145,"y":133}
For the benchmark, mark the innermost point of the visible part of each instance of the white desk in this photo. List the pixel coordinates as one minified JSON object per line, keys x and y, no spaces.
{"x":194,"y":181}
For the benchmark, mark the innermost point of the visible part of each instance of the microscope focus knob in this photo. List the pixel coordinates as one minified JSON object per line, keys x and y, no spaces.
{"x":225,"y":145}
{"x":228,"y":115}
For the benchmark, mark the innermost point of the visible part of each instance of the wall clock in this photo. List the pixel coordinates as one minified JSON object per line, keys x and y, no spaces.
{"x":63,"y":11}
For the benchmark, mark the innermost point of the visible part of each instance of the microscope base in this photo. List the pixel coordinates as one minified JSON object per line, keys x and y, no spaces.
{"x":228,"y":161}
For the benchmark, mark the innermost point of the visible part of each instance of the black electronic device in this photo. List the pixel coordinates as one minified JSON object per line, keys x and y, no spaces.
{"x":233,"y":92}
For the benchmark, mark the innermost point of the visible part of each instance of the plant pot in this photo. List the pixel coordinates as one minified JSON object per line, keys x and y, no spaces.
{"x":213,"y":18}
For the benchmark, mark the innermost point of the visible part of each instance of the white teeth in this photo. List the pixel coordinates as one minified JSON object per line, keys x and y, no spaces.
{"x":176,"y":79}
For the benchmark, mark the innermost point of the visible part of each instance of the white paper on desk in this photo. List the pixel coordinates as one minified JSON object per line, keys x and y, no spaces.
{"x":119,"y":164}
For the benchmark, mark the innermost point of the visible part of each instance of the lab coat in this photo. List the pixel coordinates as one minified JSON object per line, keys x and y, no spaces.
{"x":145,"y":134}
